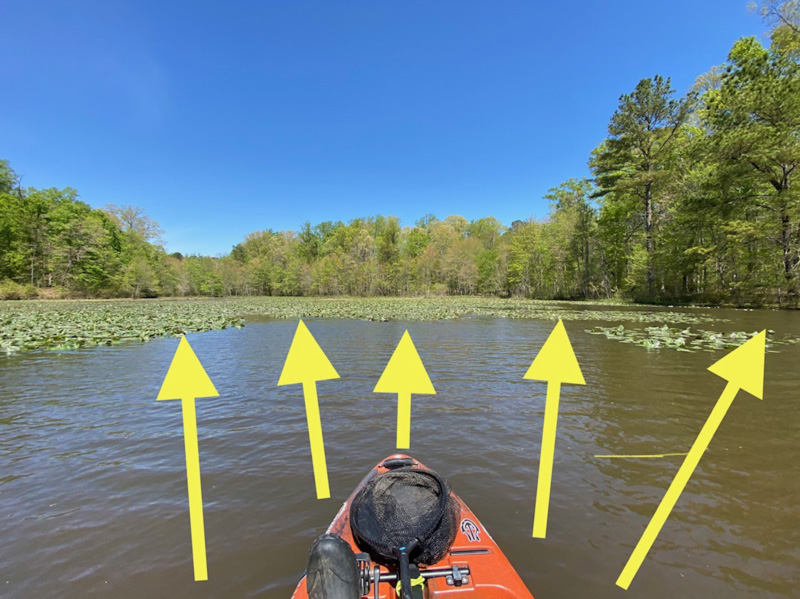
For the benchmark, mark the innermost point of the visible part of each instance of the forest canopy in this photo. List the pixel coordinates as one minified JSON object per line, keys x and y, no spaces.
{"x":691,"y":198}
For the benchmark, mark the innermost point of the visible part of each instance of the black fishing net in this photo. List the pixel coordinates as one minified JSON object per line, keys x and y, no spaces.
{"x":401,"y":505}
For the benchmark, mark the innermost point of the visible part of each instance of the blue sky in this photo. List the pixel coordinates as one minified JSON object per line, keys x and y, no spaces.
{"x":223,"y":118}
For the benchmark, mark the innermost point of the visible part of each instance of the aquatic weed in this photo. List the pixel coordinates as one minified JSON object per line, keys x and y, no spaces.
{"x":686,"y":340}
{"x":71,"y":324}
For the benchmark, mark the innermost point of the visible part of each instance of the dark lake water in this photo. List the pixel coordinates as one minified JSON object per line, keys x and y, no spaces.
{"x":92,"y":473}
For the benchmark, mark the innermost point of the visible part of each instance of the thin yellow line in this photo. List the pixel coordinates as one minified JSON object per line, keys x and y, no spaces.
{"x":654,"y":455}
{"x":677,"y":486}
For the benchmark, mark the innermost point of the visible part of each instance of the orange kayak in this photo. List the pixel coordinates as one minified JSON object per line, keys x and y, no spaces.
{"x":447,"y":557}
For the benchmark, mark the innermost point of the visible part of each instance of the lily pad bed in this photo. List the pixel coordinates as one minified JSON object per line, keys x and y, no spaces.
{"x":74,"y":324}
{"x":438,"y":308}
{"x":686,"y":340}
{"x":71,"y":324}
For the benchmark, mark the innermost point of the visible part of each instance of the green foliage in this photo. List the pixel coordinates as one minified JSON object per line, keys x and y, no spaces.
{"x":9,"y":290}
{"x":783,"y":16}
{"x":694,"y":198}
{"x":754,"y":120}
{"x":637,"y":165}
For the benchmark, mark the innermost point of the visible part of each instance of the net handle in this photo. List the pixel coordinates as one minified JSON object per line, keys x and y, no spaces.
{"x":402,"y":554}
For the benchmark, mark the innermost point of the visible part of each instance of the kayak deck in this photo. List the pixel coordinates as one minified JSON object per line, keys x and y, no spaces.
{"x":491,"y":575}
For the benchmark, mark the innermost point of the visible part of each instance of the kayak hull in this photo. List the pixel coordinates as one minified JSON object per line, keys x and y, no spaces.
{"x":491,"y":574}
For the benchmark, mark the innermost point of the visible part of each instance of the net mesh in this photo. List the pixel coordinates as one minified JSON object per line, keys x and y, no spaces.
{"x":401,"y":505}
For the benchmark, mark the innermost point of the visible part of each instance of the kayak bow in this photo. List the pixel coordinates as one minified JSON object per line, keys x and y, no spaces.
{"x":343,"y":565}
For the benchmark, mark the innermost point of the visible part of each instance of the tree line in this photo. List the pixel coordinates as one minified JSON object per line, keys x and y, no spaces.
{"x":691,"y":198}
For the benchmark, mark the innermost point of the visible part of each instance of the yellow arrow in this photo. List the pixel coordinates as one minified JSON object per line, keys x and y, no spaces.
{"x":306,"y":363}
{"x":743,"y":368}
{"x":404,"y":374}
{"x":556,"y":364}
{"x":186,"y":380}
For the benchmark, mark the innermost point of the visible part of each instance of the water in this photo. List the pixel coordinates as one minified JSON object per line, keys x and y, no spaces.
{"x":92,"y":474}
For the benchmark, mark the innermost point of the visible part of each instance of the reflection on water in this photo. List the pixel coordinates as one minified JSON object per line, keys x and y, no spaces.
{"x":93,"y":492}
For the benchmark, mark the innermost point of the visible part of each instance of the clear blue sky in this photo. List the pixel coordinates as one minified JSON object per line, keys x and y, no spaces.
{"x":222,"y":118}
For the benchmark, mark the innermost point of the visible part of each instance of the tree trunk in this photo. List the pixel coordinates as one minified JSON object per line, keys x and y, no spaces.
{"x":786,"y":243}
{"x":585,"y":269}
{"x":789,"y":260}
{"x":788,"y":255}
{"x":648,"y":231}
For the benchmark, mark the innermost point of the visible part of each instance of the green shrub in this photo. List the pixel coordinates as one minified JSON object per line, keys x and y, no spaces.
{"x":9,"y":290}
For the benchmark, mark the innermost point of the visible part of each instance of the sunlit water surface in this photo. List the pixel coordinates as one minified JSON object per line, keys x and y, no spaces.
{"x":92,"y":475}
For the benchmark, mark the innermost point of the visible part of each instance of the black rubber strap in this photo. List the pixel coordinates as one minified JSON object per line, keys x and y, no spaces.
{"x":393,"y":463}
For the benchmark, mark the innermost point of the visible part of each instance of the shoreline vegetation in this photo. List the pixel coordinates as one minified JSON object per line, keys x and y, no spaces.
{"x":692,"y":199}
{"x":72,"y":324}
